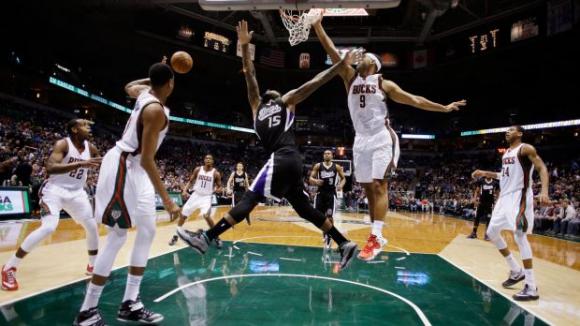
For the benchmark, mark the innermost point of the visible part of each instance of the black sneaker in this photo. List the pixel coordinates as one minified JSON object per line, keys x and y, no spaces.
{"x":347,"y":251}
{"x":514,"y":278}
{"x":173,"y":240}
{"x":527,"y":294}
{"x":196,"y":240}
{"x":218,"y":243}
{"x":91,"y":317}
{"x":135,"y":311}
{"x":473,"y":235}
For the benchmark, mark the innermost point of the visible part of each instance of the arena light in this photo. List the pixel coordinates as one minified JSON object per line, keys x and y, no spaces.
{"x":120,"y":107}
{"x":544,"y":125}
{"x":417,"y":136}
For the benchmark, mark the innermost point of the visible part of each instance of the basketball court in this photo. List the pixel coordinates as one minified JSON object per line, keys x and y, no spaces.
{"x":276,"y":272}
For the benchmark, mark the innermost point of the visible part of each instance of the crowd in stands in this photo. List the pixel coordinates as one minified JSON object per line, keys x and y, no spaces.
{"x":439,"y":184}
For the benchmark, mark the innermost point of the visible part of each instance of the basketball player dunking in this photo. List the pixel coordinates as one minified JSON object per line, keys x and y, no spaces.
{"x":128,"y":180}
{"x":281,"y":176}
{"x":514,"y":210}
{"x":329,"y":178}
{"x":67,"y":167}
{"x":483,"y":199}
{"x":376,"y":146}
{"x":207,"y":181}
{"x":238,"y":184}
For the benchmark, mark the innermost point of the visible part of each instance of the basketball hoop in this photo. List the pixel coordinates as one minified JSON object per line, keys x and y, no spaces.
{"x":298,"y":23}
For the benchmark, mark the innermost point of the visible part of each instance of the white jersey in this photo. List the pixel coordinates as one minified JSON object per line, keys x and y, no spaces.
{"x":204,"y":182}
{"x":367,"y":104}
{"x":131,"y":140}
{"x":516,"y":172}
{"x":75,"y":179}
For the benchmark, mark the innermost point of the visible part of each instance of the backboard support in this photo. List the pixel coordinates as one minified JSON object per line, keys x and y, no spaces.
{"x":229,"y":5}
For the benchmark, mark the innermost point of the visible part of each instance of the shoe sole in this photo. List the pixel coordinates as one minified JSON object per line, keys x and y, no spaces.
{"x":349,"y":257}
{"x":530,"y":298}
{"x":140,"y":322}
{"x":376,"y":252}
{"x":190,"y":244}
{"x":8,"y":289}
{"x":507,"y":286}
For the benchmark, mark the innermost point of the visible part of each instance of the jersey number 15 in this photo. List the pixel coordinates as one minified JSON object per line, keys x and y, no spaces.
{"x":274,"y":121}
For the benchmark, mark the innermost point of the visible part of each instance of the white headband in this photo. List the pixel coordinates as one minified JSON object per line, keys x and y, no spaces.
{"x":376,"y":61}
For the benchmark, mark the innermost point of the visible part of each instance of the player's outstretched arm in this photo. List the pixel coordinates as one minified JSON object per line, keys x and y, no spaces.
{"x":330,"y":49}
{"x":244,"y":37}
{"x":136,"y":87}
{"x":532,"y":154}
{"x":54,"y":163}
{"x":218,"y":182}
{"x":154,"y":120}
{"x":312,"y":179}
{"x":298,"y":95}
{"x":400,"y":96}
{"x":230,"y":183}
{"x":486,"y":174}
{"x":342,"y":182}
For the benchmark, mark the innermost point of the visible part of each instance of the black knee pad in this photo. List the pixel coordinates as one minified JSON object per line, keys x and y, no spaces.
{"x":245,"y":206}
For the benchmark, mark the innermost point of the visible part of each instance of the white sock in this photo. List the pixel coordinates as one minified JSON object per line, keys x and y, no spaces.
{"x":92,"y":297}
{"x":377,"y":228}
{"x":514,"y":266}
{"x":92,"y":259}
{"x":12,"y":262}
{"x":530,"y":281}
{"x":132,"y":289}
{"x":180,"y":229}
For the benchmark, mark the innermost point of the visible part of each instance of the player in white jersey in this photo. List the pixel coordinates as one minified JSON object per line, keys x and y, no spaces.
{"x":67,"y":167}
{"x":514,"y":210}
{"x":376,"y":146}
{"x":125,"y":197}
{"x":207,"y":181}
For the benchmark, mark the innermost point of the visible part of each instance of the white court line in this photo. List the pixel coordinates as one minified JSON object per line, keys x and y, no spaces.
{"x":254,"y":253}
{"x":306,"y":276}
{"x":291,"y":259}
{"x":84,"y":278}
{"x":401,"y":258}
{"x":496,"y":291}
{"x":399,"y":267}
{"x":275,"y":236}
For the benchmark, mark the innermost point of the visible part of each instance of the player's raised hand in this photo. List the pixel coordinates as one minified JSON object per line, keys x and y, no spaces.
{"x":455,"y":106}
{"x":477,"y":174}
{"x":317,"y":19}
{"x":244,"y":37}
{"x":351,"y":56}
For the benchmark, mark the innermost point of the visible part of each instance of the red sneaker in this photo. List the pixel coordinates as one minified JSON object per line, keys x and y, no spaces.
{"x":89,"y":271}
{"x":9,"y":282}
{"x":373,"y":247}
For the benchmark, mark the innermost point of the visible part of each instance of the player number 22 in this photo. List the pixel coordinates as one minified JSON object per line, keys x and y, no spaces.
{"x":273,"y":121}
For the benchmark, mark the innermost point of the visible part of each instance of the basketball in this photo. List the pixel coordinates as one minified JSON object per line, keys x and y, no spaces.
{"x":181,"y":62}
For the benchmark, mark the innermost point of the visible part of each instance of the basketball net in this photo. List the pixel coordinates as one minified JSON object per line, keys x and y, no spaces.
{"x":298,"y":23}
